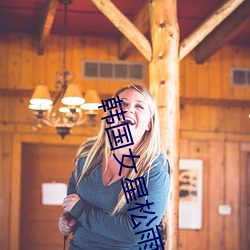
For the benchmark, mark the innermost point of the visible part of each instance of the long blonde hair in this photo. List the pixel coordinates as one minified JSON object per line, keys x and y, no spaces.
{"x":97,"y":148}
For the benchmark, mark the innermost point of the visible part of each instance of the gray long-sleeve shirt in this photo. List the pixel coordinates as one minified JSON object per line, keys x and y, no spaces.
{"x":98,"y":229}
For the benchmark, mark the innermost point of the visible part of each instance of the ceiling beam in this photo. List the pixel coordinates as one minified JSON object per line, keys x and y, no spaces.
{"x":125,"y":26}
{"x":189,"y":43}
{"x":141,"y":21}
{"x":228,"y":30}
{"x":48,"y":19}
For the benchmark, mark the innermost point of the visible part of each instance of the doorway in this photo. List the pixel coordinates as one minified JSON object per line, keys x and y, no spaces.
{"x":42,"y":163}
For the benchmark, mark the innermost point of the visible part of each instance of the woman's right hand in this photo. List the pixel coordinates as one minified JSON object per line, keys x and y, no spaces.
{"x":66,"y":225}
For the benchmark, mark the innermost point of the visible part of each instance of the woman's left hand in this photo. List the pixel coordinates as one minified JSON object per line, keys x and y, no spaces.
{"x":69,"y":202}
{"x":65,"y":225}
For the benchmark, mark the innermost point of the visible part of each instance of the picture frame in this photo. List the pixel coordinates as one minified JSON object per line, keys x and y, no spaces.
{"x":190,"y":193}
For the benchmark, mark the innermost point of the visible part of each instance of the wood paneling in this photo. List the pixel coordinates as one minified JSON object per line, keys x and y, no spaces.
{"x":3,"y":60}
{"x":28,"y":47}
{"x":215,"y":119}
{"x":5,"y":177}
{"x":26,"y":69}
{"x":13,"y":50}
{"x":244,"y":211}
{"x":221,"y":186}
{"x":197,"y":150}
{"x":247,"y":237}
{"x":215,"y":74}
{"x":215,"y":198}
{"x":226,"y":58}
{"x":238,"y":61}
{"x":232,"y":178}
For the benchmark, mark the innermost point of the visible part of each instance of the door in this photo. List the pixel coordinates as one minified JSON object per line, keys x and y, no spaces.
{"x":244,"y":209}
{"x":248,"y":201}
{"x":42,"y":163}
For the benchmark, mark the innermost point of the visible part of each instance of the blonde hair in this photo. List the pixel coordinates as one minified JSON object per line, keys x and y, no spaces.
{"x":97,"y":148}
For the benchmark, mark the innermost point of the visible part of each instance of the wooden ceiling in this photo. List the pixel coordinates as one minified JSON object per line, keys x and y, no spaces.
{"x":42,"y":18}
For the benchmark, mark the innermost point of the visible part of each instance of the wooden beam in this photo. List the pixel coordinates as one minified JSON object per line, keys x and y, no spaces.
{"x":189,"y":43}
{"x":141,"y":21}
{"x":211,"y":135}
{"x":15,"y":92}
{"x":164,"y":85}
{"x":125,"y":26}
{"x":48,"y":19}
{"x":24,"y":93}
{"x":27,"y":93}
{"x":214,"y":102}
{"x":229,"y":29}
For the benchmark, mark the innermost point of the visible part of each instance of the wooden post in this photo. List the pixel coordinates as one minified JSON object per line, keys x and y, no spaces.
{"x":164,"y":85}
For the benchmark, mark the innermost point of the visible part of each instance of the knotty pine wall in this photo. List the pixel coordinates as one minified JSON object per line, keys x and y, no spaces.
{"x":218,"y":134}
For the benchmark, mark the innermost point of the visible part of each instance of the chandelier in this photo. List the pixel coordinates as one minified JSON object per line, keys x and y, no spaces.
{"x":72,"y":110}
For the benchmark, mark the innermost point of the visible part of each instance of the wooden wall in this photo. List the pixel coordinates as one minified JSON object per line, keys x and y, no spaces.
{"x":213,"y":79}
{"x":216,"y":132}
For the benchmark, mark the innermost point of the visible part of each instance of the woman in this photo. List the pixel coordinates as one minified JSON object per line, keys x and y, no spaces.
{"x":103,"y":215}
